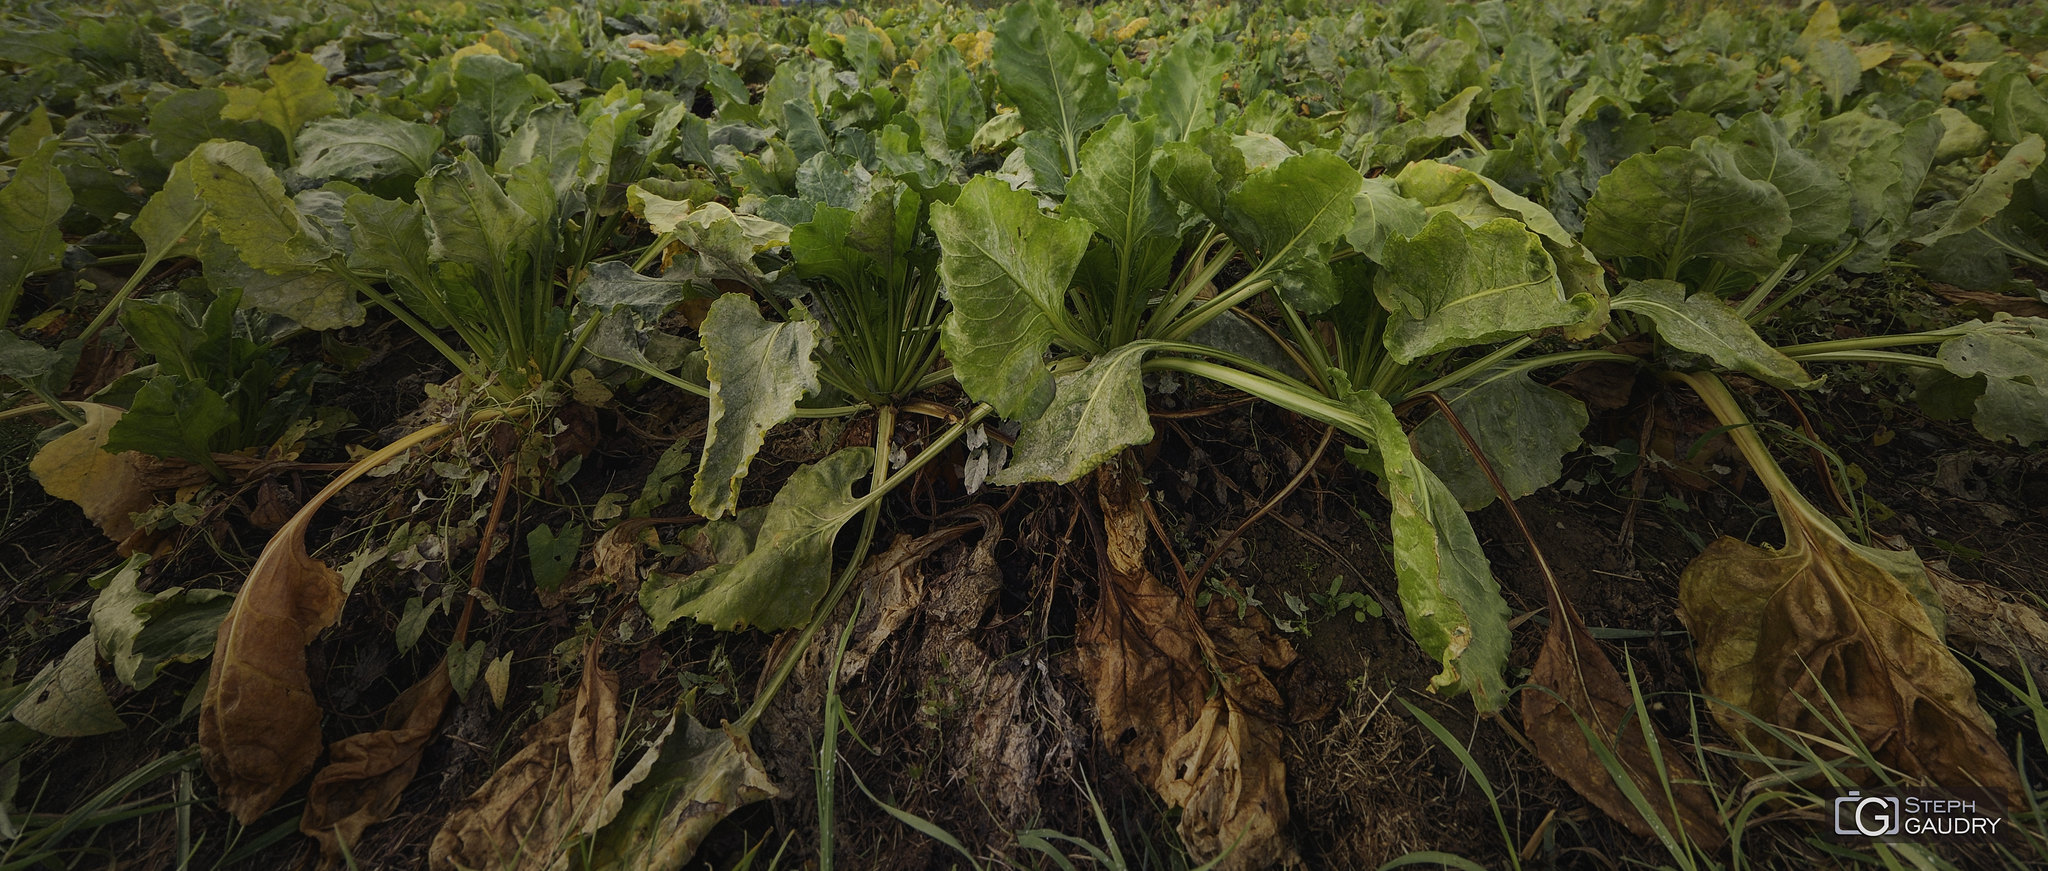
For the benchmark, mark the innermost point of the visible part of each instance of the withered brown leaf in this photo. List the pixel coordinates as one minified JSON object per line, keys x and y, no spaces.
{"x":1147,"y":657}
{"x":259,"y":728}
{"x":544,"y":794}
{"x":366,"y":773}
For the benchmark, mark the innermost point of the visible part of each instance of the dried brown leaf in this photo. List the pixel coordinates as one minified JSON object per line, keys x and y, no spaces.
{"x":1825,"y":624}
{"x":259,"y":728}
{"x":1994,"y":626}
{"x":107,"y":487}
{"x":520,"y":818}
{"x":366,"y":773}
{"x":1587,"y":694}
{"x":1146,"y":657}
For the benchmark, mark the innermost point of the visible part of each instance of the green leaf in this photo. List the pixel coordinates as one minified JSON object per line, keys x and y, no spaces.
{"x":169,"y":223}
{"x":491,"y":94}
{"x":1992,"y":192}
{"x":471,"y":220}
{"x":1523,"y":427}
{"x":947,"y":106}
{"x":1095,"y":413}
{"x":1058,"y":81}
{"x":2015,"y":105}
{"x":143,"y":633}
{"x":32,"y":364}
{"x":392,"y":242}
{"x":1114,"y":189}
{"x":31,"y":206}
{"x":758,"y":371}
{"x":367,"y":146}
{"x":1677,"y":204}
{"x":1006,"y":268}
{"x":789,"y":566}
{"x":187,"y":119}
{"x":247,"y":207}
{"x":661,"y":810}
{"x":1286,"y":215}
{"x":725,"y":242}
{"x":173,"y":416}
{"x":1834,"y":63}
{"x":614,"y":284}
{"x":552,"y":555}
{"x":1703,"y":324}
{"x":1185,"y":86}
{"x":1453,"y":285}
{"x":2012,"y":357}
{"x":1202,"y":171}
{"x":1380,"y":212}
{"x":69,"y":701}
{"x":317,"y":299}
{"x":298,"y":93}
{"x":1885,"y":165}
{"x":1816,"y":199}
{"x":1454,"y":607}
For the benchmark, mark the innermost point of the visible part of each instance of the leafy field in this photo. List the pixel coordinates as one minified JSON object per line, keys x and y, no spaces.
{"x":651,"y":435}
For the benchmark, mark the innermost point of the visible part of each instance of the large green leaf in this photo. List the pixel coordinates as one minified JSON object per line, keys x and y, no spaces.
{"x":471,"y":220}
{"x":1380,"y":212}
{"x":31,"y":205}
{"x":1523,"y":427}
{"x":2012,"y":100}
{"x":2012,"y":358}
{"x":172,"y":416}
{"x":1885,"y":164}
{"x":1453,"y":285}
{"x":1114,"y":189}
{"x":1453,"y":605}
{"x":1816,"y":199}
{"x":1059,"y":83}
{"x":367,"y":146}
{"x":1288,"y":213}
{"x":315,"y":297}
{"x":143,"y":633}
{"x":491,"y":94}
{"x":758,"y":372}
{"x":169,"y":222}
{"x":1095,"y":414}
{"x":246,"y":205}
{"x":789,"y":565}
{"x":1185,"y":85}
{"x":1703,"y":324}
{"x":947,"y":106}
{"x":392,"y":242}
{"x":1677,"y":204}
{"x":1992,"y":192}
{"x":298,"y":93}
{"x":1006,"y":268}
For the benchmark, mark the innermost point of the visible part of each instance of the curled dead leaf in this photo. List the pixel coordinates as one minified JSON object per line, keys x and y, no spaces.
{"x":1146,"y":656}
{"x":107,"y":487}
{"x":366,"y":773}
{"x":1994,"y":626}
{"x":259,"y":728}
{"x":544,"y":794}
{"x":1587,"y":701}
{"x":656,"y":816}
{"x":1824,"y":625}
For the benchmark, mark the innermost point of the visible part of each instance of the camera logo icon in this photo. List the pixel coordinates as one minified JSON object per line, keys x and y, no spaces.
{"x":1872,"y":816}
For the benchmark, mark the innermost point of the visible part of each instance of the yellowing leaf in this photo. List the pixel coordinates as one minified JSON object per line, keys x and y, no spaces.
{"x":259,"y":728}
{"x":108,"y":487}
{"x":1870,"y":57}
{"x":1124,"y":33}
{"x":67,"y":699}
{"x":298,"y":93}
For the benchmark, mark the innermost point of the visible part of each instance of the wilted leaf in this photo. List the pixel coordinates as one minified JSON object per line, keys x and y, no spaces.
{"x":1826,"y":629}
{"x":789,"y":563}
{"x":366,"y":774}
{"x":1991,"y":192}
{"x":1580,"y":699}
{"x":1703,"y":324}
{"x":108,"y":487}
{"x":68,"y":700}
{"x":2012,"y":357}
{"x":1524,"y":428}
{"x":1095,"y":414}
{"x":1994,"y":626}
{"x":683,"y":785}
{"x":470,"y":218}
{"x":259,"y":728}
{"x":1151,"y":667}
{"x":758,"y":371}
{"x":140,"y":633}
{"x":1006,"y":268}
{"x":546,"y":793}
